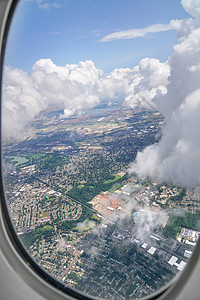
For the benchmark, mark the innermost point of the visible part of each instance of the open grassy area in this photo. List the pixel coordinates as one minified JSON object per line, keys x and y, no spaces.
{"x":44,"y":214}
{"x":43,"y":229}
{"x":47,"y":227}
{"x":80,"y":186}
{"x":49,"y":199}
{"x":112,"y":180}
{"x":115,"y":187}
{"x":17,"y":160}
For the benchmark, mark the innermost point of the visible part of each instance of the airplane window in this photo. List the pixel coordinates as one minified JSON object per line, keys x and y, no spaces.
{"x":100,"y":145}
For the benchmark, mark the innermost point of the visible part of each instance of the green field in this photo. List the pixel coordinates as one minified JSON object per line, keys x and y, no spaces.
{"x":112,"y":180}
{"x":115,"y":187}
{"x":80,"y":186}
{"x":44,"y":214}
{"x":17,"y":160}
{"x":45,"y":228}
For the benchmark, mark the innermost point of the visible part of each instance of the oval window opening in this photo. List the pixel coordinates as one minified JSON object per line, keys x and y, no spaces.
{"x":100,"y":120}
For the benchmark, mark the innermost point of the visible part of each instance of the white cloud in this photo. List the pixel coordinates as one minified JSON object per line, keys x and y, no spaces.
{"x":23,"y":101}
{"x":146,"y":221}
{"x":72,"y":88}
{"x":192,"y":7}
{"x":85,"y":225}
{"x":175,"y":159}
{"x":151,"y":80}
{"x":76,"y":87}
{"x":135,"y":33}
{"x":47,"y":5}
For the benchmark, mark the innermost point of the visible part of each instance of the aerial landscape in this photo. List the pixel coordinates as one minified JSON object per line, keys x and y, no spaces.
{"x":84,"y":219}
{"x":100,"y":142}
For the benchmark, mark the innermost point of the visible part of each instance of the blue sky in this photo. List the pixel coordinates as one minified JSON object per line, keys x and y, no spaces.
{"x":69,"y":31}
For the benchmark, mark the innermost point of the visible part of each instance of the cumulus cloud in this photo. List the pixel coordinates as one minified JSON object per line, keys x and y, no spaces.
{"x":49,"y":87}
{"x":192,"y":7}
{"x":151,"y":80}
{"x":175,"y":159}
{"x":74,"y":88}
{"x":23,"y":101}
{"x":135,"y":33}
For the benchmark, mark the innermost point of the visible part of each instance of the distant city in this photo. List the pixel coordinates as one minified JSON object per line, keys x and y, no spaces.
{"x":84,"y":218}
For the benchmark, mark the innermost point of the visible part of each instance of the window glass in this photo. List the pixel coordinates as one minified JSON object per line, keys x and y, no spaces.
{"x":100,"y":125}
